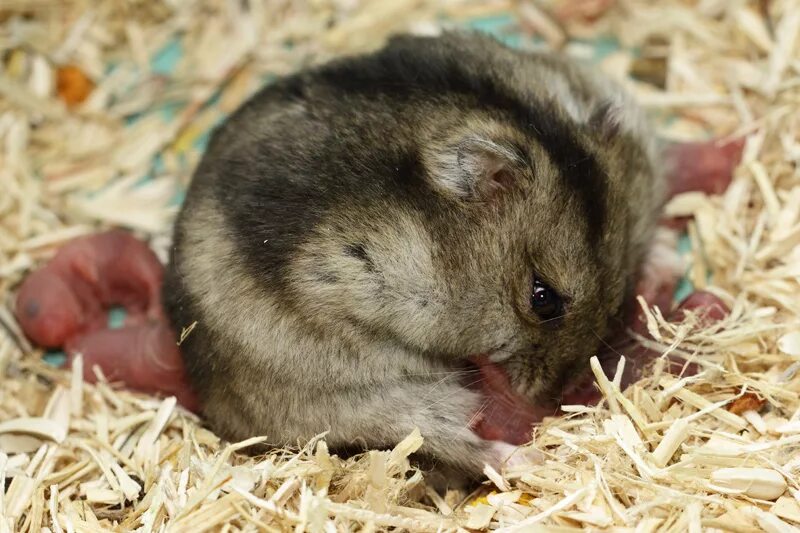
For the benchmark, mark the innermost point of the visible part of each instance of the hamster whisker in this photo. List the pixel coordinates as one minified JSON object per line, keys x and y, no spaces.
{"x":463,"y":372}
{"x":455,"y":375}
{"x":606,"y":344}
{"x":478,"y":414}
{"x":446,"y":398}
{"x":625,"y":344}
{"x":559,"y":317}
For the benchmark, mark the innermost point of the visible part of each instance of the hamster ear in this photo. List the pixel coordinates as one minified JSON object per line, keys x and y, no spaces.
{"x":474,"y":168}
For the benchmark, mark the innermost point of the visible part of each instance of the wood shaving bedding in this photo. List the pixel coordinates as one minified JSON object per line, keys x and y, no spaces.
{"x":91,"y":94}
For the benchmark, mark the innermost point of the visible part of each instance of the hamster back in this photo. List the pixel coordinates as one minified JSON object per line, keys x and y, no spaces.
{"x":359,"y":234}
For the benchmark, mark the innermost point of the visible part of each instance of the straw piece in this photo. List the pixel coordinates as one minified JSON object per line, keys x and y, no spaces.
{"x":40,"y":427}
{"x":565,"y":503}
{"x":157,"y":425}
{"x":480,"y":516}
{"x":769,"y":522}
{"x":159,"y":80}
{"x":695,"y":400}
{"x":606,"y":387}
{"x":760,"y":483}
{"x":787,"y":508}
{"x":76,"y":386}
{"x":672,"y":440}
{"x":790,"y":344}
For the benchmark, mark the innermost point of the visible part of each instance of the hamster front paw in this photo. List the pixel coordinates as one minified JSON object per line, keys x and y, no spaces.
{"x":504,"y":455}
{"x":662,"y":269}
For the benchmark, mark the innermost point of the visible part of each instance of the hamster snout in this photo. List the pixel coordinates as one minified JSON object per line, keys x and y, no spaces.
{"x":412,"y":238}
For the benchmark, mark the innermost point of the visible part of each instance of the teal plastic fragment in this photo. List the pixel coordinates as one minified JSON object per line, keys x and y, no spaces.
{"x":604,"y":47}
{"x":498,"y":26}
{"x":55,"y":358}
{"x":178,"y":198}
{"x":202,"y":140}
{"x":684,"y":244}
{"x":685,"y":287}
{"x":166,"y":59}
{"x":116,"y":317}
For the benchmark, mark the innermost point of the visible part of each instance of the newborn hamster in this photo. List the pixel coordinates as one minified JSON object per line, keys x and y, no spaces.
{"x":358,"y":232}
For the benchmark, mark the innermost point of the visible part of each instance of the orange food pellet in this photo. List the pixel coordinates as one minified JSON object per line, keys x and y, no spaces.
{"x":748,"y":402}
{"x":73,"y":85}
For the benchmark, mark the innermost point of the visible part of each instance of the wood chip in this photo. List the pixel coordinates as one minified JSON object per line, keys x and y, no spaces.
{"x":673,"y":438}
{"x":790,"y":344}
{"x":40,"y":427}
{"x":759,"y":483}
{"x":103,"y":113}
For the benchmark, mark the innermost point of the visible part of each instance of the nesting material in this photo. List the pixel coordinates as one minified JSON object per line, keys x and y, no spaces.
{"x":95,"y":97}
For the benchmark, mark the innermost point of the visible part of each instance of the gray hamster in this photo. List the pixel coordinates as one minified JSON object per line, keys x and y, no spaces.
{"x":360,"y":233}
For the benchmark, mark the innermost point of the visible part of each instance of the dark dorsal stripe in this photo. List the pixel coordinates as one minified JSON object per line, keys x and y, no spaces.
{"x":396,"y":73}
{"x":578,"y":167}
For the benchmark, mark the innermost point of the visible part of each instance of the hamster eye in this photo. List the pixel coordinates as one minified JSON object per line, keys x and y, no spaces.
{"x":545,"y":302}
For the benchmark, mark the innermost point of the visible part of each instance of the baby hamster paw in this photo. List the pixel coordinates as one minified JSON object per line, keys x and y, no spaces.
{"x":145,"y":357}
{"x":708,"y":308}
{"x":504,"y":455}
{"x":706,"y":166}
{"x":662,"y":269}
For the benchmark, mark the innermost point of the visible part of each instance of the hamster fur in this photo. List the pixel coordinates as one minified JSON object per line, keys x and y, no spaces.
{"x":355,"y":231}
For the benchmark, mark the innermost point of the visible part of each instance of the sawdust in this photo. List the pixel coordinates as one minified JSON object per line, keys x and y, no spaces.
{"x":85,"y":109}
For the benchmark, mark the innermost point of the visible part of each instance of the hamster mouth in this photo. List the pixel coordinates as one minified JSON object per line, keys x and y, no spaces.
{"x":508,"y":416}
{"x":504,"y":415}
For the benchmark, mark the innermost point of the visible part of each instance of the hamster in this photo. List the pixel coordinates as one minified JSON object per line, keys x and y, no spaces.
{"x":65,"y":304}
{"x":383,"y":242}
{"x":68,"y":297}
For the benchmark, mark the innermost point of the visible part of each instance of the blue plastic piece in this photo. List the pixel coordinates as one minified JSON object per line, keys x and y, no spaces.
{"x":55,"y":358}
{"x":116,"y":318}
{"x":685,"y":287}
{"x":166,"y":59}
{"x":498,"y":26}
